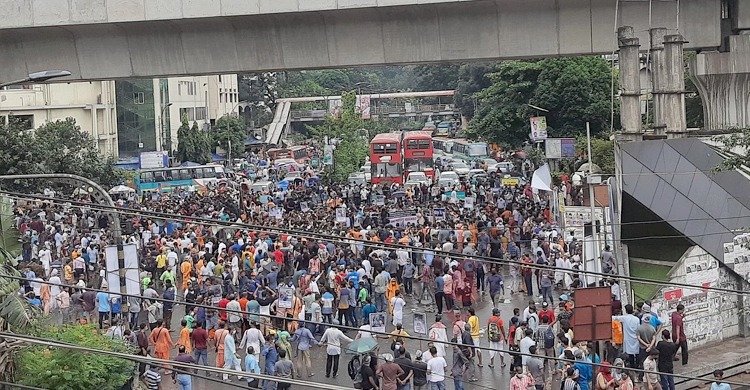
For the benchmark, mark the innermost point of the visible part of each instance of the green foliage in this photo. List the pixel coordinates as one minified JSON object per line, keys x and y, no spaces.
{"x":55,"y":147}
{"x":436,"y":77}
{"x":353,"y":135}
{"x":734,"y":149}
{"x":603,"y":151}
{"x":230,"y":128}
{"x":472,"y":78}
{"x":193,"y":144}
{"x":64,"y":369}
{"x":574,"y":90}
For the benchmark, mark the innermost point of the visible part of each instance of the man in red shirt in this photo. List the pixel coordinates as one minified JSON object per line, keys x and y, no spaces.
{"x":546,"y":311}
{"x":199,"y":337}
{"x":278,"y":256}
{"x":527,"y":273}
{"x":223,"y":305}
{"x":678,"y":332}
{"x":496,"y":336}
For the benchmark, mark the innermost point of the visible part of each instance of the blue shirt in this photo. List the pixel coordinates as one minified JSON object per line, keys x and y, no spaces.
{"x":585,"y":374}
{"x":271,"y":356}
{"x":251,"y":365}
{"x":439,"y":284}
{"x":305,"y":339}
{"x":367,"y":310}
{"x":354,"y":277}
{"x":102,"y":299}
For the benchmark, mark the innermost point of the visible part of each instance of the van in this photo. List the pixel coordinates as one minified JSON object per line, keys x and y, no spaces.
{"x":263,"y":187}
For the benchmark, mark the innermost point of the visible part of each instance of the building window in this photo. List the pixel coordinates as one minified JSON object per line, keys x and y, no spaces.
{"x":139,"y":98}
{"x":189,"y":112}
{"x":200,"y":113}
{"x":189,"y":87}
{"x":26,"y":122}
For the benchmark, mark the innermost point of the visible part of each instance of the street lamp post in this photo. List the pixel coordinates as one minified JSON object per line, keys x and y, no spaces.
{"x":166,"y":132}
{"x":38,"y":77}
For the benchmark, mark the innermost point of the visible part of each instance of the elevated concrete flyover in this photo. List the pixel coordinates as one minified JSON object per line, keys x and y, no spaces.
{"x":105,"y":39}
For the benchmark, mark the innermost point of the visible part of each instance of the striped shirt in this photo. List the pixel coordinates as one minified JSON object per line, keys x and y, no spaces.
{"x":522,"y":383}
{"x":152,"y":378}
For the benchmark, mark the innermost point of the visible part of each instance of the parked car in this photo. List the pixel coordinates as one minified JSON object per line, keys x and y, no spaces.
{"x":418,"y":178}
{"x":460,"y":167}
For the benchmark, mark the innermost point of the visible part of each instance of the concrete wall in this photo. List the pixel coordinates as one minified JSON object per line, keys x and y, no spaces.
{"x":711,"y":316}
{"x":355,"y":32}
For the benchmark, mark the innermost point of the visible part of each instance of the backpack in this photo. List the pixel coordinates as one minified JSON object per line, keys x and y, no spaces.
{"x":354,"y":369}
{"x":469,"y":266}
{"x":493,"y":331}
{"x":549,"y":338}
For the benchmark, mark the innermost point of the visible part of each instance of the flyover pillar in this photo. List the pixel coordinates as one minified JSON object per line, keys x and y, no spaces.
{"x":674,"y":82}
{"x":659,"y":76}
{"x":630,"y":84}
{"x":723,"y":81}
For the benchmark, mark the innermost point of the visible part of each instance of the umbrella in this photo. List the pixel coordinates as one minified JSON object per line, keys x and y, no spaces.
{"x":284,"y":184}
{"x":121,"y":189}
{"x":363,"y":345}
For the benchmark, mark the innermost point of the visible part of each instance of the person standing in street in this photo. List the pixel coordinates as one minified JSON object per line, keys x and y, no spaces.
{"x":284,"y":369}
{"x":161,"y":340}
{"x":650,"y":376}
{"x":436,"y":370}
{"x":667,"y":350}
{"x":678,"y":332}
{"x":473,"y":321}
{"x":521,"y":381}
{"x":252,"y":366}
{"x":389,"y":372}
{"x":183,"y":379}
{"x":102,"y":300}
{"x":305,"y":340}
{"x":231,"y":358}
{"x":332,"y":338}
{"x":459,"y":368}
{"x":535,"y":367}
{"x":199,"y":338}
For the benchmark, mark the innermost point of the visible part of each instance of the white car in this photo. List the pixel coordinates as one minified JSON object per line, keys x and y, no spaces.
{"x":477,"y":172}
{"x":505,"y":167}
{"x":460,"y":167}
{"x":357,"y":178}
{"x":418,"y":177}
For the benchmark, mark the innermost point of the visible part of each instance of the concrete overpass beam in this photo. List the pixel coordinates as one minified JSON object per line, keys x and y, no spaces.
{"x":723,"y":80}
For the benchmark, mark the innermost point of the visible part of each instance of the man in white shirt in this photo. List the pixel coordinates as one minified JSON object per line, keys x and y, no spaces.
{"x":398,"y":303}
{"x":253,"y":337}
{"x":436,"y":370}
{"x":172,"y":259}
{"x":45,"y":256}
{"x":332,"y":338}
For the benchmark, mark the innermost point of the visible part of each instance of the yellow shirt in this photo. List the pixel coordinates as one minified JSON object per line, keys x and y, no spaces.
{"x":161,"y":261}
{"x":474,"y":323}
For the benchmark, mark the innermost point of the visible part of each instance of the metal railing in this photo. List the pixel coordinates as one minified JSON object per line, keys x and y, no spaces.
{"x":384,"y":110}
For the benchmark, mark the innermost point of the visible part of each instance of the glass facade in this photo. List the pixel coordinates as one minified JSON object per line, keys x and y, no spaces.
{"x":136,"y":119}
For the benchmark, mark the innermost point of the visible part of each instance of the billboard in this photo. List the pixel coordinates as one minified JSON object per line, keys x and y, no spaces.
{"x":154,"y":160}
{"x":538,"y":128}
{"x":363,"y":106}
{"x":558,"y":148}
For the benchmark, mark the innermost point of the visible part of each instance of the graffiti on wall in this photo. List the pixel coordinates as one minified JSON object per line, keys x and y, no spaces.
{"x":710,"y":316}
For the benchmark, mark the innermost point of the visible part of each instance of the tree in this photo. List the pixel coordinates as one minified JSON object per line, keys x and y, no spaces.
{"x":472,"y":78}
{"x":573,"y":90}
{"x":60,"y":368}
{"x":734,"y":149}
{"x":192,"y":143}
{"x":602,"y":150}
{"x":347,"y":128}
{"x":436,"y":77}
{"x":55,"y":147}
{"x":230,"y":129}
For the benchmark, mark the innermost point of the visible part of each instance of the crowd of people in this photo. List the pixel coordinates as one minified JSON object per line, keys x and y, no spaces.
{"x":289,"y":272}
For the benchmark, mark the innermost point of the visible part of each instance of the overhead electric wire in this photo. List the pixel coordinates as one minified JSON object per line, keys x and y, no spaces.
{"x":156,"y":361}
{"x":340,"y":326}
{"x":161,"y":362}
{"x":378,"y":245}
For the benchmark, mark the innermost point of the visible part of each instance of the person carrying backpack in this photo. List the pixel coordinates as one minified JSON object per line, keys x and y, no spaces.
{"x":496,"y":336}
{"x":545,"y":341}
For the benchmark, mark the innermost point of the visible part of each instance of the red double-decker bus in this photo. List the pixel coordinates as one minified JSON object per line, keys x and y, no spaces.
{"x":418,"y":153}
{"x":277,"y":153}
{"x":386,"y":159}
{"x":300,"y":154}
